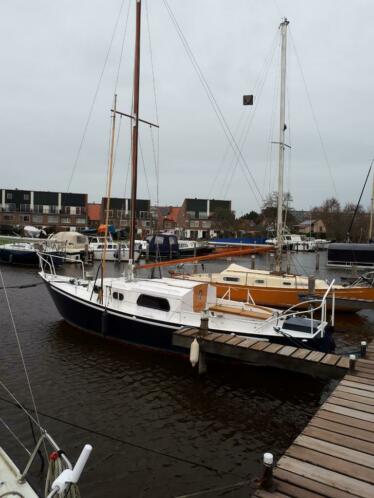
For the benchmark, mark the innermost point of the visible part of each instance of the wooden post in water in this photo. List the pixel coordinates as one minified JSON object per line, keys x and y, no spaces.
{"x":253,"y":261}
{"x":203,"y":331}
{"x":317,"y":259}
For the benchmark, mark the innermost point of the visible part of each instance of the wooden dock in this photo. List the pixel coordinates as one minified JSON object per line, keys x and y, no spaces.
{"x":334,"y":455}
{"x":264,"y":353}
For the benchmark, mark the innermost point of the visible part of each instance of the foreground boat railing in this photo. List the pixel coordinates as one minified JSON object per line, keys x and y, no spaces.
{"x":322,"y":306}
{"x":68,"y":476}
{"x":44,"y":437}
{"x":47,"y":261}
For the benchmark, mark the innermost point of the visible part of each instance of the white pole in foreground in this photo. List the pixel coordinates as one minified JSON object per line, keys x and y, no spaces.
{"x":71,"y":476}
{"x":282,"y":127}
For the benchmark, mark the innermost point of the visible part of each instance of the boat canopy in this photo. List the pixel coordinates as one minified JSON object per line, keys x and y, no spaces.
{"x":70,"y":238}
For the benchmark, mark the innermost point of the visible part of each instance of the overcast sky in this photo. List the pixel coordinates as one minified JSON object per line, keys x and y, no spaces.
{"x":53,"y":53}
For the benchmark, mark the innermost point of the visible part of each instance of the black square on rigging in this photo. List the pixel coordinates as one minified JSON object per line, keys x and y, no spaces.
{"x":247,"y":99}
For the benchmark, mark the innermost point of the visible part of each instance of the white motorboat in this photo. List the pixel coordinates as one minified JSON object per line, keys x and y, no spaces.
{"x":114,"y":251}
{"x":73,"y":244}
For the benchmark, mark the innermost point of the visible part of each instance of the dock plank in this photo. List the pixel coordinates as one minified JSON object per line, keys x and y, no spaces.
{"x":339,"y":439}
{"x":354,"y":397}
{"x":342,"y":429}
{"x":300,"y":353}
{"x":330,"y":359}
{"x":343,"y":362}
{"x":316,"y":473}
{"x":188,"y":331}
{"x":260,"y":345}
{"x":295,"y":491}
{"x":351,"y":404}
{"x":357,"y":383}
{"x":247,"y":343}
{"x":352,"y":390}
{"x":316,"y":487}
{"x":315,"y":356}
{"x":336,"y":451}
{"x":323,"y":461}
{"x":287,"y":350}
{"x":369,"y":417}
{"x":273,"y":348}
{"x":234,"y":341}
{"x":345,"y":419}
{"x":212,"y":336}
{"x":223,"y":338}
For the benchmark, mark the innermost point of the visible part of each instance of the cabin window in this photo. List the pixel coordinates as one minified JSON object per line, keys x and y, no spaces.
{"x":259,"y":281}
{"x":118,"y":295}
{"x":231,"y":279}
{"x":157,"y":303}
{"x":286,"y":283}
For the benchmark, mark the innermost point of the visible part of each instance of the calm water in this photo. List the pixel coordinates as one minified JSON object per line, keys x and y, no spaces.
{"x":157,"y":429}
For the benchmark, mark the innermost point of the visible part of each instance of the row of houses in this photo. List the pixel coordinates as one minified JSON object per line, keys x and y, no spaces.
{"x":195,"y":218}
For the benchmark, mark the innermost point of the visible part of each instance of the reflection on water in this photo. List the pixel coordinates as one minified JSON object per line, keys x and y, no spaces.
{"x":157,"y":429}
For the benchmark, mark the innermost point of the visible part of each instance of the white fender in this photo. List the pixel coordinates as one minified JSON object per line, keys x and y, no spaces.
{"x":194,"y":352}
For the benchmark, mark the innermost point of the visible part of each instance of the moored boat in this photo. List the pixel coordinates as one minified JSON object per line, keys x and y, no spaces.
{"x":282,"y":290}
{"x":26,"y":254}
{"x":146,"y":311}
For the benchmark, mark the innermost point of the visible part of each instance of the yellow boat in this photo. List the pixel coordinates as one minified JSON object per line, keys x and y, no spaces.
{"x":280,"y":290}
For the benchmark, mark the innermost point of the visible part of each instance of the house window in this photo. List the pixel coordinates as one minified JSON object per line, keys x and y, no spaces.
{"x":154,"y":302}
{"x":9,"y":196}
{"x":37,"y":218}
{"x":81,"y":221}
{"x":8,"y":217}
{"x":194,"y":224}
{"x":25,"y":218}
{"x":53,"y":219}
{"x":26,"y":197}
{"x":65,"y":219}
{"x":45,"y":209}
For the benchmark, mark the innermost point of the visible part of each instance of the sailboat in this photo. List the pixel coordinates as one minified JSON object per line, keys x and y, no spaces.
{"x":279,"y":289}
{"x":147,"y":311}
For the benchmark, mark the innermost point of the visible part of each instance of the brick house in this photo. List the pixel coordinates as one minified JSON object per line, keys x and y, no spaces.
{"x":40,"y":208}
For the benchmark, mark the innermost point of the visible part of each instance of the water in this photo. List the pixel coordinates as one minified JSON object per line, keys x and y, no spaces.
{"x":156,"y":428}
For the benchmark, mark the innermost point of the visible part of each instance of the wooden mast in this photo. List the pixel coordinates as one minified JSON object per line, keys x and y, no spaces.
{"x":282,"y":128}
{"x":108,"y":196}
{"x":135,"y":135}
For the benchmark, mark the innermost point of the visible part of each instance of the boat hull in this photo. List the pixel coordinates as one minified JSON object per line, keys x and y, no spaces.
{"x":26,"y":258}
{"x":94,"y":317}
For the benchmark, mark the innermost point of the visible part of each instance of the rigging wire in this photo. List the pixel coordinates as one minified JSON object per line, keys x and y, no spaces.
{"x":14,"y":435}
{"x":115,"y":438}
{"x":156,"y":151}
{"x":314,"y":116}
{"x":21,"y":354}
{"x":122,"y":49}
{"x":216,"y":108}
{"x":93,"y":102}
{"x":262,"y":81}
{"x":144,"y":169}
